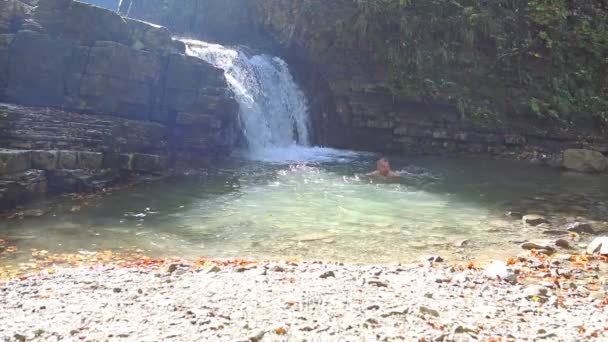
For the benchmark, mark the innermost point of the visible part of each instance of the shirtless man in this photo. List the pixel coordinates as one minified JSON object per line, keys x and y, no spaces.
{"x":383,"y":168}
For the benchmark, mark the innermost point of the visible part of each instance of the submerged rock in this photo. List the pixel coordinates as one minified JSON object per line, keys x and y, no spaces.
{"x":313,"y":237}
{"x":541,"y":246}
{"x":515,"y":215}
{"x":534,"y":220}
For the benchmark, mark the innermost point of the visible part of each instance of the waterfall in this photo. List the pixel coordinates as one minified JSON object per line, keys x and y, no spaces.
{"x":273,"y":109}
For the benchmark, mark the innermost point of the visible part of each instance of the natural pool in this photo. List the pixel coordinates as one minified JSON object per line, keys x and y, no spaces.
{"x":322,"y":209}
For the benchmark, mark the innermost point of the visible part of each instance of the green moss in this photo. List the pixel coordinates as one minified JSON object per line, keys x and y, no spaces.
{"x":494,"y":59}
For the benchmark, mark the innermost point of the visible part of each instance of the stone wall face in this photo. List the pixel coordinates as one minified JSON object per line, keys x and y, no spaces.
{"x":91,"y":91}
{"x":84,"y":59}
{"x":347,"y":85}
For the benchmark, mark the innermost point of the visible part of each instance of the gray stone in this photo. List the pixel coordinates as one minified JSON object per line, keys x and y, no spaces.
{"x":73,"y":181}
{"x":278,"y":268}
{"x":67,"y":160}
{"x":34,"y":212}
{"x":515,"y":139}
{"x":535,"y":291}
{"x":563,"y":243}
{"x":515,"y":214}
{"x":497,"y":269}
{"x":585,"y":160}
{"x":602,"y":148}
{"x":580,"y":227}
{"x":13,"y":161}
{"x":327,"y":274}
{"x":35,"y":83}
{"x":598,"y":246}
{"x":125,"y":161}
{"x":214,"y":269}
{"x":148,"y":163}
{"x":90,"y":160}
{"x":19,"y":188}
{"x":427,"y":311}
{"x":534,"y":220}
{"x":199,"y":120}
{"x":44,"y":160}
{"x":541,"y":246}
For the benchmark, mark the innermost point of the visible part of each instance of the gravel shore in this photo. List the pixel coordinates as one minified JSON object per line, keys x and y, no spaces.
{"x":309,"y":301}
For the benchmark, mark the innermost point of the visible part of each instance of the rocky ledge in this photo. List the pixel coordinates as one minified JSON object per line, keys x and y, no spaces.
{"x":523,"y":300}
{"x":107,"y":95}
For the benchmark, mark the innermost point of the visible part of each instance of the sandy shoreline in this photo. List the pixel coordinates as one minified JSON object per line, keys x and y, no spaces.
{"x":537,"y":300}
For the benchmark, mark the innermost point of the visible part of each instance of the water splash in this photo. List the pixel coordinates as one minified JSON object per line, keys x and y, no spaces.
{"x":273,"y":109}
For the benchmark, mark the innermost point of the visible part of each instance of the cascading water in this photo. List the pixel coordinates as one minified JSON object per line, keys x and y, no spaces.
{"x":273,"y":110}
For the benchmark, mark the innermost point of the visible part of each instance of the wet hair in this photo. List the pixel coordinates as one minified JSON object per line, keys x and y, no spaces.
{"x":381,"y":161}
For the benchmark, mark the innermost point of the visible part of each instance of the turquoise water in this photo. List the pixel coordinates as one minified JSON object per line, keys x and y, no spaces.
{"x":323,"y":209}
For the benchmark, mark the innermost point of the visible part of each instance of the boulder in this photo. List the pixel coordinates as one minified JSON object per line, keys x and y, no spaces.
{"x":585,"y":160}
{"x":598,"y":246}
{"x":563,"y":243}
{"x":580,"y":227}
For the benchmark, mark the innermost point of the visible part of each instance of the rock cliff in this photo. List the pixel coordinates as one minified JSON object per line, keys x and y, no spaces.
{"x":91,"y":91}
{"x":350,"y":85}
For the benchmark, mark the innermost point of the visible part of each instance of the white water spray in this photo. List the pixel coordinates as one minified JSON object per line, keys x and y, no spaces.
{"x":273,"y":109}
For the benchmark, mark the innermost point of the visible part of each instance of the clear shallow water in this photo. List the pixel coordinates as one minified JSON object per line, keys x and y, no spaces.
{"x":321,"y":209}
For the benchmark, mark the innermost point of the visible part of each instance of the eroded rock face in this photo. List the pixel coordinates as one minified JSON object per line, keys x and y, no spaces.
{"x":12,"y":14}
{"x":350,"y":99}
{"x":99,"y":92}
{"x":97,"y":62}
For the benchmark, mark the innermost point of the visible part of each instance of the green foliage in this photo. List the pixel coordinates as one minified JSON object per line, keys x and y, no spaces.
{"x":494,"y":58}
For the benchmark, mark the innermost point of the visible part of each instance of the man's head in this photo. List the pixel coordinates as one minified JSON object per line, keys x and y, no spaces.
{"x":383,"y":166}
